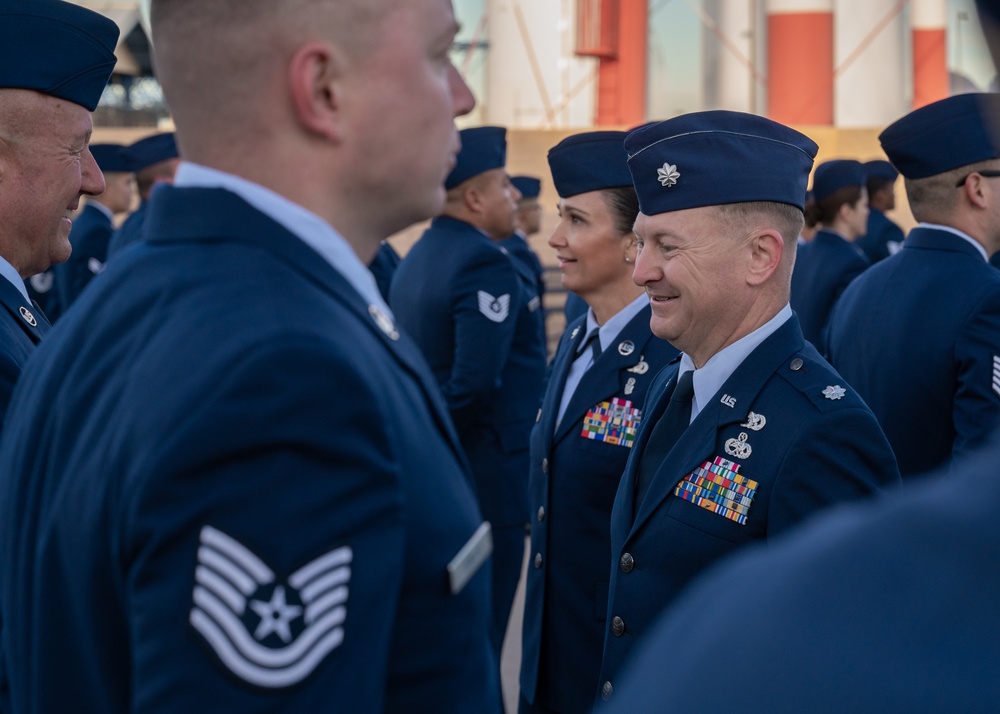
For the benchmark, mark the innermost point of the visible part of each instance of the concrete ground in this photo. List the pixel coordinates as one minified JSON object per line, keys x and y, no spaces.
{"x":510,"y":655}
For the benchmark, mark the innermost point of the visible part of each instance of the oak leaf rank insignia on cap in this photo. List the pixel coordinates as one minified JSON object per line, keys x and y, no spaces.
{"x":668,"y":175}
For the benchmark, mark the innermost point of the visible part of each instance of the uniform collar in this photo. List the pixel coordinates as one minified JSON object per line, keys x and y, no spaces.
{"x":610,"y":330}
{"x":97,"y":205}
{"x":10,"y":273}
{"x":304,"y":224}
{"x":709,"y":379}
{"x":965,"y":236}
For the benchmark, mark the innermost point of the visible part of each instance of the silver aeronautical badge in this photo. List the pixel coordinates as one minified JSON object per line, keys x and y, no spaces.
{"x":754,"y":421}
{"x":835,"y":392}
{"x":626,"y":348}
{"x":28,"y":317}
{"x":739,"y":447}
{"x":630,"y":386}
{"x":383,"y":321}
{"x":640,"y":368}
{"x":574,"y":333}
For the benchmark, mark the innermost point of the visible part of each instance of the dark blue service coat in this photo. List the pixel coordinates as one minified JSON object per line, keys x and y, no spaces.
{"x":462,"y":299}
{"x":881,"y":234}
{"x":919,"y":338}
{"x":517,"y":246}
{"x":130,"y":231}
{"x":44,"y":292}
{"x":885,"y":606}
{"x":475,"y":315}
{"x":383,"y":267}
{"x":90,"y":236}
{"x":575,"y":471}
{"x":21,"y":328}
{"x":784,"y":438}
{"x":823,"y":268}
{"x":235,"y":507}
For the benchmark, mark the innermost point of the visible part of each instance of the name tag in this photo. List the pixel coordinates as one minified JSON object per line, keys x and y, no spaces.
{"x":470,"y":558}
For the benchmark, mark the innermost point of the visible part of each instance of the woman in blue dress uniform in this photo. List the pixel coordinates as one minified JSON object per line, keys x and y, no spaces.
{"x":828,"y":263}
{"x":590,"y":412}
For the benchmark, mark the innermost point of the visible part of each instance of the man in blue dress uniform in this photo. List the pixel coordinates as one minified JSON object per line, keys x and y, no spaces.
{"x":830,"y":261}
{"x":475,"y":315}
{"x":250,"y":496}
{"x":883,"y":606}
{"x":751,"y":431}
{"x":918,"y":335}
{"x":154,"y":160}
{"x":527,"y":222}
{"x":92,"y":229}
{"x":882,"y":236}
{"x":57,"y":58}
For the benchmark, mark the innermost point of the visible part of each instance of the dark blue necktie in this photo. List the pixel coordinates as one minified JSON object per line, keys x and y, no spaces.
{"x":676,"y":418}
{"x":592,"y":341}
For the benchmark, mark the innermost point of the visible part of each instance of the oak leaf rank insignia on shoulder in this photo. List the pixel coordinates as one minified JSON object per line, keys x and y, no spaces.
{"x":494,"y":308}
{"x":269,"y":634}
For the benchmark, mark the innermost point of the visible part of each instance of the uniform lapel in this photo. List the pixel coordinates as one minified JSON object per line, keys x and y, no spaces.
{"x":214,"y":214}
{"x":656,"y":403}
{"x":28,"y":315}
{"x":606,"y":376}
{"x":557,"y":380}
{"x":699,"y":442}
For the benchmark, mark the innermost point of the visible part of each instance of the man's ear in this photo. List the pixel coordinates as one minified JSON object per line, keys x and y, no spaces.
{"x":472,"y":198}
{"x":766,"y":250}
{"x":978,"y":191}
{"x":317,"y":88}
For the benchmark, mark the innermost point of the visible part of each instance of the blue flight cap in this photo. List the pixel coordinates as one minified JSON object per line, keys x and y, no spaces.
{"x":589,"y":162}
{"x":151,"y":150}
{"x":831,"y":176}
{"x":111,"y":158}
{"x":483,"y":148}
{"x":718,"y":157}
{"x":944,"y":135}
{"x":56,"y":48}
{"x":880,"y":169}
{"x":527,"y":186}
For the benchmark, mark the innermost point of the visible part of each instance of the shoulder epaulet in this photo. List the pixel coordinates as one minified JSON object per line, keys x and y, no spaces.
{"x":819,"y":383}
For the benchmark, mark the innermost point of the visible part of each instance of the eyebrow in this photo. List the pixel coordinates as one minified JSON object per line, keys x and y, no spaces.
{"x":574,"y":209}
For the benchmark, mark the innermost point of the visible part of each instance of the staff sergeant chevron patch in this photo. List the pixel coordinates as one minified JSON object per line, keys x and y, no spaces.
{"x":268,"y":634}
{"x":495,"y":309}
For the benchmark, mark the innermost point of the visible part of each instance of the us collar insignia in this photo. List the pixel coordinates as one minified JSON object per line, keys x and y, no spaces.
{"x":835,"y":392}
{"x":28,"y":317}
{"x":668,"y":175}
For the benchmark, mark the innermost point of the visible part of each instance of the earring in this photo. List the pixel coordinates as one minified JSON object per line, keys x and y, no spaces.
{"x":627,"y":259}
